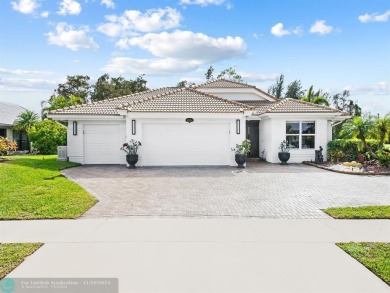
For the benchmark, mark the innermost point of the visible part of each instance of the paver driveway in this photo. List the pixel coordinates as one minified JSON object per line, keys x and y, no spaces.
{"x":261,"y":190}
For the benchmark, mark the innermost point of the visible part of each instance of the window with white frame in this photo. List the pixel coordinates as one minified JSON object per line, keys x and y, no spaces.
{"x":300,"y":134}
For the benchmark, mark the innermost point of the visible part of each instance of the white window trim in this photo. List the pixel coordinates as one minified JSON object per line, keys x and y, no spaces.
{"x":300,"y":134}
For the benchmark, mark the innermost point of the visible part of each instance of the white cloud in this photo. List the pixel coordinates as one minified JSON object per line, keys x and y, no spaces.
{"x":23,"y":72}
{"x":69,"y":7}
{"x":66,"y":35}
{"x":132,"y":21}
{"x":375,"y":17}
{"x":124,"y":65}
{"x":278,"y":30}
{"x":202,"y":2}
{"x":319,"y":27}
{"x":379,"y":88}
{"x":258,"y":77}
{"x":108,"y":3}
{"x":45,"y":14}
{"x":188,"y":45}
{"x":176,"y":52}
{"x":29,"y":83}
{"x":25,"y":6}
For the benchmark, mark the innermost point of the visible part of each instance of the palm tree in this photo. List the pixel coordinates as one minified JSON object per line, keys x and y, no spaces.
{"x":315,"y":98}
{"x":382,"y":129}
{"x":58,"y":102}
{"x":24,"y":121}
{"x":361,"y":128}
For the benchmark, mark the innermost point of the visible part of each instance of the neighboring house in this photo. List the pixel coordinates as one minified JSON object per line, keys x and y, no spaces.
{"x":196,"y":126}
{"x":8,"y":114}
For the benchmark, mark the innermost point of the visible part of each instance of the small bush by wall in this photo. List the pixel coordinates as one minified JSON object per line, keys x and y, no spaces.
{"x":349,"y":148}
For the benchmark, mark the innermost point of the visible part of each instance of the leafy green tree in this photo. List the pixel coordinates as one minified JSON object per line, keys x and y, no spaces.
{"x":47,"y":135}
{"x":185,"y":83}
{"x":107,"y":87}
{"x":210,"y":73}
{"x":294,"y":90}
{"x":361,"y":128}
{"x":58,"y":102}
{"x":75,"y":85}
{"x":382,"y":129}
{"x":228,"y":73}
{"x":277,"y":89}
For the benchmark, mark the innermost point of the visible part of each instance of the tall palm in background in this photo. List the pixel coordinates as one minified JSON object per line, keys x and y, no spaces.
{"x":382,"y":129}
{"x":315,"y":98}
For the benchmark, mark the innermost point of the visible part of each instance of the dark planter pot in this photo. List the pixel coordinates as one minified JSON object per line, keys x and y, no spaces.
{"x":132,"y":160}
{"x":240,"y":160}
{"x":284,"y":157}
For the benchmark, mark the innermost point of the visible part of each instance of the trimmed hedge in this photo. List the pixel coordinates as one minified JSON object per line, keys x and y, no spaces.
{"x":350,"y":147}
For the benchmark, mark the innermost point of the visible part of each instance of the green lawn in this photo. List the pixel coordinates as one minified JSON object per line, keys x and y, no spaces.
{"x":13,"y":254}
{"x":33,"y":188}
{"x":374,"y":256}
{"x":370,"y":212}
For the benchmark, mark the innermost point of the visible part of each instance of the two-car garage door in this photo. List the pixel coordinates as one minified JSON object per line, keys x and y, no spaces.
{"x":177,"y":144}
{"x":163,"y":144}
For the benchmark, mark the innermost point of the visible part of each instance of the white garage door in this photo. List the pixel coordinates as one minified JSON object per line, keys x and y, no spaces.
{"x":186,"y":144}
{"x":102,"y":144}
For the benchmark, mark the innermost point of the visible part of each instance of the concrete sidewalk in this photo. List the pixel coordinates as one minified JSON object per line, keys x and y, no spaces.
{"x":202,"y":255}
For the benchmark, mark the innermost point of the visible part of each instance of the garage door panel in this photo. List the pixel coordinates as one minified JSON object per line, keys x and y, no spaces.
{"x":102,"y":144}
{"x":186,"y":144}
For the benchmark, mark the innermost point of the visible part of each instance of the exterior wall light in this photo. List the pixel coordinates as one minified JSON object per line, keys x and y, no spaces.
{"x":238,"y":126}
{"x":133,"y":127}
{"x":74,"y":127}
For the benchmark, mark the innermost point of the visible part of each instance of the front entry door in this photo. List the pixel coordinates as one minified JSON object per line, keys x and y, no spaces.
{"x":252,"y":133}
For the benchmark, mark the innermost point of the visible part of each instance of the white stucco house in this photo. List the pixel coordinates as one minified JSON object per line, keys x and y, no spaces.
{"x":196,"y":126}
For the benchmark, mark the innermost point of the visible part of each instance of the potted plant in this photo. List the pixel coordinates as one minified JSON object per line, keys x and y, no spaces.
{"x":284,"y":154}
{"x":131,"y":149}
{"x":241,"y":151}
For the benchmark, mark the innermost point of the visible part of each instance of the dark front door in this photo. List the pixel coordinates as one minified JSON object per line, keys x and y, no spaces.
{"x":252,"y":133}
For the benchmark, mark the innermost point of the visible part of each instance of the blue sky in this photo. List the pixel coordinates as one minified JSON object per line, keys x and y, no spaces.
{"x":331,"y":44}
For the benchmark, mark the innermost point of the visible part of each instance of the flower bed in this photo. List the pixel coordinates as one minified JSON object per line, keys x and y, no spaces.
{"x":369,"y":169}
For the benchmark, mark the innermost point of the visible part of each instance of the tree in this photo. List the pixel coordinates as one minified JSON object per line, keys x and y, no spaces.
{"x":76,"y":85}
{"x":185,"y":83}
{"x":58,"y":102}
{"x":294,"y":90}
{"x":25,"y":120}
{"x":342,"y":102}
{"x":210,"y":73}
{"x":228,"y":73}
{"x":316,"y":97}
{"x":382,"y":129}
{"x":361,"y":128}
{"x":277,"y":89}
{"x":107,"y":87}
{"x":47,"y":135}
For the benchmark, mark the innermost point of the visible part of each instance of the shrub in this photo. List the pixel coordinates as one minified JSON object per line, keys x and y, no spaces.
{"x":47,"y":135}
{"x":384,"y":158}
{"x":7,"y":146}
{"x":350,"y":147}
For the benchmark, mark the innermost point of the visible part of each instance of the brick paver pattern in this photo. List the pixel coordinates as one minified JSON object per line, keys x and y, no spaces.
{"x":261,"y":190}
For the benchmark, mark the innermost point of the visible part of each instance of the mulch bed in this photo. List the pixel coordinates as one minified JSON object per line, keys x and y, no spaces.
{"x":371,"y":169}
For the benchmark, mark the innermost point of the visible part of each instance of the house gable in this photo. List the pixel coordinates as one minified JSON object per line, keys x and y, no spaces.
{"x":235,"y":90}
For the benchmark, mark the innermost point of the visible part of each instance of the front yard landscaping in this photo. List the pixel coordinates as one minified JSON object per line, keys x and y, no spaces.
{"x":32,"y":187}
{"x":374,"y":256}
{"x":370,"y":212}
{"x":13,"y":254}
